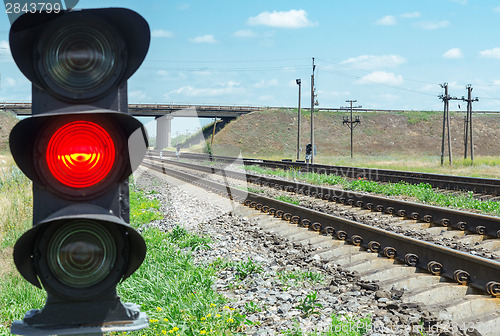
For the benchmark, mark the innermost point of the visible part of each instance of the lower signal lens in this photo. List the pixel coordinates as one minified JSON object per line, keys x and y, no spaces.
{"x":81,"y":254}
{"x":80,"y":154}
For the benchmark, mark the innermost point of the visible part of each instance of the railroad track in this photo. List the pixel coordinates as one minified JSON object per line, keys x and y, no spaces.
{"x":486,"y":186}
{"x":471,"y":223}
{"x":459,"y":279}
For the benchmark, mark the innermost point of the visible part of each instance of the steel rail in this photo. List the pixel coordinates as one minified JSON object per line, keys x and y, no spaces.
{"x":463,"y":268}
{"x":461,"y":220}
{"x":475,"y":184}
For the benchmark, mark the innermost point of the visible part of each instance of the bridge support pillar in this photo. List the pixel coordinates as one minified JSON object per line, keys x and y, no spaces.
{"x":163,"y":132}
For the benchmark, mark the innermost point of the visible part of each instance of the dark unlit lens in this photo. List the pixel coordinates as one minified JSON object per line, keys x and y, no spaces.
{"x":79,"y":58}
{"x":81,"y":254}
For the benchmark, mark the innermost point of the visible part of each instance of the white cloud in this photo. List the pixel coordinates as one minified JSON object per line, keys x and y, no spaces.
{"x":5,"y":55}
{"x":388,"y":20}
{"x":4,"y":46}
{"x":267,"y":98}
{"x":9,"y":82}
{"x":183,"y":6}
{"x":381,"y":77}
{"x":371,"y":62}
{"x":431,"y":25}
{"x":388,"y":97}
{"x":219,"y":89}
{"x":491,"y":53}
{"x":161,"y":33}
{"x":203,"y":73}
{"x":497,"y":9}
{"x":333,"y":94}
{"x":453,"y":53}
{"x":203,"y":39}
{"x":245,"y":33}
{"x":290,"y":19}
{"x":170,"y":76}
{"x":137,"y":96}
{"x":411,"y":15}
{"x":162,"y":73}
{"x":265,"y":83}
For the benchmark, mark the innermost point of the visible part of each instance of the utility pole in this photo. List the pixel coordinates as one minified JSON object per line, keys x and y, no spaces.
{"x":468,"y":122}
{"x":446,"y":121}
{"x":299,"y":83}
{"x":313,"y":102}
{"x":213,"y":133}
{"x":350,"y":122}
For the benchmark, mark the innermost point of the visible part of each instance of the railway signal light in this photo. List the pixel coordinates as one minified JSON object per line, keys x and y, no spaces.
{"x":79,"y":148}
{"x":309,"y":150}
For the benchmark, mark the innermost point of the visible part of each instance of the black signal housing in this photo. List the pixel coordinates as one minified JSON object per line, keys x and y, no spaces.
{"x":79,"y":147}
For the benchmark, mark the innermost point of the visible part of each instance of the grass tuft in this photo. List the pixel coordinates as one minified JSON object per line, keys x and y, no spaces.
{"x":422,"y":192}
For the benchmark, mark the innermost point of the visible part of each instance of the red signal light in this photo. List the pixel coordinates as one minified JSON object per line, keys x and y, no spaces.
{"x":80,"y":154}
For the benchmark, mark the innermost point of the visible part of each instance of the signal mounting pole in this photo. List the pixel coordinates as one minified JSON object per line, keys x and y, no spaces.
{"x":468,"y":122}
{"x":350,"y":122}
{"x":313,"y":102}
{"x":299,"y":83}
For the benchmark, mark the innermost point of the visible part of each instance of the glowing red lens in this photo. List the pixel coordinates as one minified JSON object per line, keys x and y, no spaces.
{"x":80,"y":154}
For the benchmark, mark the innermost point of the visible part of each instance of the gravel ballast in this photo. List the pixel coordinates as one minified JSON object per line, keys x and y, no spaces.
{"x":269,"y":296}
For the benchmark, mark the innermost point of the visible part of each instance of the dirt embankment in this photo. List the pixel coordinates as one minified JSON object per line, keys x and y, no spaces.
{"x":408,"y":133}
{"x":7,"y":121}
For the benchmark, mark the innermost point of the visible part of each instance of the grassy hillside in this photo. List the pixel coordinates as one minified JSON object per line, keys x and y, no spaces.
{"x":274,"y":132}
{"x":406,"y":140}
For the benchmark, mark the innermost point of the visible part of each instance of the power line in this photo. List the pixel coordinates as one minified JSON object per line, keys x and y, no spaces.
{"x":228,"y":61}
{"x":226,"y":69}
{"x":369,"y":71}
{"x":338,"y":73}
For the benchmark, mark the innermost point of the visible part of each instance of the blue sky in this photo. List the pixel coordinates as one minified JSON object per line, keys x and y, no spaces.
{"x":385,"y":54}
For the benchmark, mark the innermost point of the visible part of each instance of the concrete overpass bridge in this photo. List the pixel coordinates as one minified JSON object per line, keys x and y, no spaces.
{"x":163,"y":113}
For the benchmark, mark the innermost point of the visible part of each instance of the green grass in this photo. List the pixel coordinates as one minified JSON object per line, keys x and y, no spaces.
{"x":186,"y":240}
{"x":143,"y":209}
{"x":416,"y":117}
{"x":421,"y":192}
{"x":309,"y":305}
{"x":176,"y":293}
{"x":289,"y":279}
{"x":483,"y":166}
{"x":491,"y":161}
{"x":16,"y":295}
{"x":246,"y":268}
{"x":288,"y":199}
{"x":15,"y":205}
